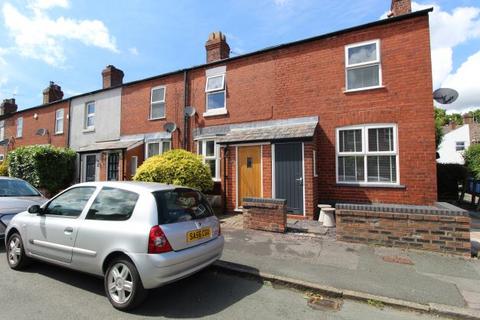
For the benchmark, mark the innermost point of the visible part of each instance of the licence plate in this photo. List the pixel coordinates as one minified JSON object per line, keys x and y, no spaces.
{"x":199,"y":234}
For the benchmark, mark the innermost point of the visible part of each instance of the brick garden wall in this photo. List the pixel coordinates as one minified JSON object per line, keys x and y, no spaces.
{"x":425,"y":228}
{"x":265,"y":214}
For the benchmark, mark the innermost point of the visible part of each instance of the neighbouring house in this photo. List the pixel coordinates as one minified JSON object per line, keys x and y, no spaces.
{"x":457,"y":139}
{"x":341,"y":117}
{"x":44,"y":124}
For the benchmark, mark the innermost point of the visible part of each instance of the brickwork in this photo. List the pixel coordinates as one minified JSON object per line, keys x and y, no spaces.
{"x":139,"y":152}
{"x":265,"y":214}
{"x":430,"y":230}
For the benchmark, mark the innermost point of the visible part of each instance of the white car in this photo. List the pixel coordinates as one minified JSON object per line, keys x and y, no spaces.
{"x":138,"y":236}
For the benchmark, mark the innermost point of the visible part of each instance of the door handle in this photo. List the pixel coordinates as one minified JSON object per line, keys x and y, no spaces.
{"x":68,"y":230}
{"x":299,"y":179}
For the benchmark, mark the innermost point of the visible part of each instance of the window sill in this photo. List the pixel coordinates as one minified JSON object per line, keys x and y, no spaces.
{"x":18,"y":137}
{"x":154,"y":119}
{"x":58,"y":133}
{"x":215,"y":112}
{"x":371,"y":185}
{"x":364,"y":89}
{"x":88,"y":130}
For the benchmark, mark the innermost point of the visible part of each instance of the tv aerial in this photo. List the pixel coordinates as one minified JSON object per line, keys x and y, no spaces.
{"x":170,"y":127}
{"x":445,"y":95}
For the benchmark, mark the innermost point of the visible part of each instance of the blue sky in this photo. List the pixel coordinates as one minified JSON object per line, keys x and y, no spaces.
{"x":70,"y":42}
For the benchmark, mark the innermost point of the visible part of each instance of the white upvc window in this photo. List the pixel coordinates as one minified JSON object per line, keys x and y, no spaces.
{"x":157,"y":103}
{"x":315,"y":174}
{"x":210,"y":152}
{"x":367,"y":154}
{"x":2,"y":157}
{"x":90,"y":115}
{"x":215,"y":94}
{"x":2,"y":130}
{"x":59,"y":121}
{"x":460,"y":146}
{"x":133,"y":165}
{"x":20,"y":127}
{"x":363,"y":68}
{"x":156,"y":147}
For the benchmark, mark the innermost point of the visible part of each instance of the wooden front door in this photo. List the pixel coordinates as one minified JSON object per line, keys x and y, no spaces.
{"x":249,"y":173}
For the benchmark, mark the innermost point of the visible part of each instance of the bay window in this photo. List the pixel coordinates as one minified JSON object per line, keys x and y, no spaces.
{"x":367,"y":154}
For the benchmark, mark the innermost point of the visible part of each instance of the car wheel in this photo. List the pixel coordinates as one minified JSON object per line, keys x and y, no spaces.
{"x":123,"y":286}
{"x":16,"y":257}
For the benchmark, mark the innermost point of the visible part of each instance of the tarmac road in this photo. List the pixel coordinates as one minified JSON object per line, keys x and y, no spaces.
{"x":49,"y":292}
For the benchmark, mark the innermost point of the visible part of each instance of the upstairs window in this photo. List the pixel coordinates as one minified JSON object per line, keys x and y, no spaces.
{"x":215,"y":91}
{"x":90,"y":116}
{"x":157,"y":103}
{"x":59,"y":121}
{"x":2,"y":130}
{"x":210,"y":152}
{"x":363,"y":69}
{"x":155,"y":148}
{"x":20,"y":127}
{"x":367,"y":154}
{"x":460,"y":145}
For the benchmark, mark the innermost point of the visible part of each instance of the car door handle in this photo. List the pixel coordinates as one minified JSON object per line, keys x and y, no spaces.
{"x":68,"y":230}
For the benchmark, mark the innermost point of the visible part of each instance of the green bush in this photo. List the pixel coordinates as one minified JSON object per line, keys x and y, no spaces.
{"x":44,"y":166}
{"x":472,"y":160}
{"x":4,"y":169}
{"x":449,"y":176}
{"x":177,"y":167}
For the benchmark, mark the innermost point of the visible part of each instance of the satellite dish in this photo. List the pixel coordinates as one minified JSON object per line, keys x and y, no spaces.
{"x":170,"y":127}
{"x":41,"y":132}
{"x":190,"y":111}
{"x":445,"y":95}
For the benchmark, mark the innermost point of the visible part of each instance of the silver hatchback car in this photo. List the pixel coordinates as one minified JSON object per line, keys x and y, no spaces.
{"x":138,"y":236}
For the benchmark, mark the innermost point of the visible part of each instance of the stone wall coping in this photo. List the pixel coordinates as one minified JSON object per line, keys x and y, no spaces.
{"x":265,"y":200}
{"x":440,"y":208}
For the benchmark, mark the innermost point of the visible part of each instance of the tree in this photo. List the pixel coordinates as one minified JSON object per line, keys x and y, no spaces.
{"x":455,"y":118}
{"x":472,"y":160}
{"x":178,"y":167}
{"x":441,"y":116}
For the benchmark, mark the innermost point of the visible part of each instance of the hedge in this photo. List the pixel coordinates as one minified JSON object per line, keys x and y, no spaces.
{"x":4,"y":169}
{"x":177,"y":167}
{"x":472,"y":160}
{"x":449,"y":176}
{"x":44,"y":166}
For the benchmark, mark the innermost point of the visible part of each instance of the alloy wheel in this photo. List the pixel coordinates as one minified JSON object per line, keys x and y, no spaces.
{"x":120,"y":283}
{"x":14,"y":251}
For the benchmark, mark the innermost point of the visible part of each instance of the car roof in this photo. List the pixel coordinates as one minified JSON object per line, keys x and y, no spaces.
{"x":136,"y":186}
{"x":10,"y":178}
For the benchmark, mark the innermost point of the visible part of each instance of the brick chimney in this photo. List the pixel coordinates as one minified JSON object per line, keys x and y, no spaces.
{"x":52,"y":93}
{"x":217,"y":47}
{"x":112,"y":77}
{"x":468,"y":118}
{"x":400,"y":7}
{"x":8,"y":106}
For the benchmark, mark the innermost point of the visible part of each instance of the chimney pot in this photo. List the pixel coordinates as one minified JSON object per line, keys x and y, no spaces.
{"x":400,"y":7}
{"x":217,"y":47}
{"x":112,"y":77}
{"x":52,"y":93}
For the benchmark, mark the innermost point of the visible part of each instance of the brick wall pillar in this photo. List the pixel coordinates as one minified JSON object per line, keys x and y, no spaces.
{"x":265,"y":214}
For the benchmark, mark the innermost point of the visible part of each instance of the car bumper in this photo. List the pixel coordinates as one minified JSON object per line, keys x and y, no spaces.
{"x":156,"y":270}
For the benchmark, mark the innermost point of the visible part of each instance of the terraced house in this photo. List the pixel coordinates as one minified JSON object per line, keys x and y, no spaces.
{"x":341,"y":117}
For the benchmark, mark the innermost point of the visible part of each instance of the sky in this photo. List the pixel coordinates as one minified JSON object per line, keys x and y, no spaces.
{"x":70,"y":42}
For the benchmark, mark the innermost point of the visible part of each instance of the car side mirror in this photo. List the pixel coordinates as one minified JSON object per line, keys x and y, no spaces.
{"x":34,"y":209}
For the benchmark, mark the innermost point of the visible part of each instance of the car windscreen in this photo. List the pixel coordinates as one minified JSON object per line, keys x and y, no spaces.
{"x":180,"y":205}
{"x":16,"y":188}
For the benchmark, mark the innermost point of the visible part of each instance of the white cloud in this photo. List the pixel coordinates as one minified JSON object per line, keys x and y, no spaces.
{"x":40,"y":37}
{"x":133,"y":51}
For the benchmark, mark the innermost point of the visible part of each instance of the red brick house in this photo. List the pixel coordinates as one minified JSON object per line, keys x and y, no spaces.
{"x":342,"y":117}
{"x":44,"y":124}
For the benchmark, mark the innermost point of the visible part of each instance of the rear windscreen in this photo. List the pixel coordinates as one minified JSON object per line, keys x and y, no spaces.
{"x":181,"y":205}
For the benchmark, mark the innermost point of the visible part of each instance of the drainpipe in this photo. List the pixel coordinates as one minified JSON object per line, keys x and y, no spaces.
{"x":185,"y":104}
{"x":224,"y":182}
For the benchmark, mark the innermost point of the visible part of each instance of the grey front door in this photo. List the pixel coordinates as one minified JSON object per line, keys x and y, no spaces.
{"x":289,"y":175}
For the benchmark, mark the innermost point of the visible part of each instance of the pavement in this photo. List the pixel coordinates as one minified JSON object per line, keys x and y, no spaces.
{"x":48,"y":292}
{"x":426,"y":280}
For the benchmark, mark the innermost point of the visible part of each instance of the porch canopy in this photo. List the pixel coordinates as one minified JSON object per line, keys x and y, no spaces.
{"x":111,"y":145}
{"x":258,"y":131}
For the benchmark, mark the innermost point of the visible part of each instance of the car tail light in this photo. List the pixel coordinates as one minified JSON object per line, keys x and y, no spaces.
{"x":157,"y":241}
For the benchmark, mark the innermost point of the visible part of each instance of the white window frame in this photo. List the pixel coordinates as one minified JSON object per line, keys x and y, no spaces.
{"x":378,"y":62}
{"x":59,"y":118}
{"x":19,"y":123}
{"x":217,"y":111}
{"x":2,"y":157}
{"x":457,"y":144}
{"x":314,"y":157}
{"x":90,"y":115}
{"x":133,"y":165}
{"x":216,"y":156}
{"x":365,"y":153}
{"x":160,"y":146}
{"x":2,"y":130}
{"x":159,"y":101}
